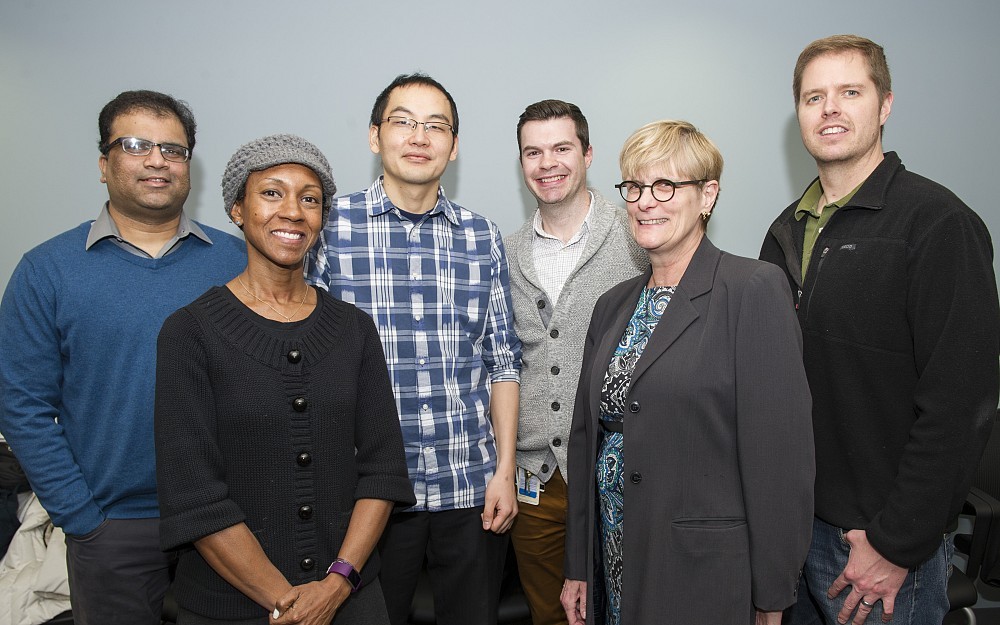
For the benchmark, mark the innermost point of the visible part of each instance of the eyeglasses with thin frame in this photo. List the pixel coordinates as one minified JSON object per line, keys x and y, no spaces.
{"x":663,"y":190}
{"x":405,"y":124}
{"x":142,"y":147}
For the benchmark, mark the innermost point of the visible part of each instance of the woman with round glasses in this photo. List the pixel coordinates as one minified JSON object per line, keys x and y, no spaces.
{"x":279,"y":453}
{"x":692,"y":434}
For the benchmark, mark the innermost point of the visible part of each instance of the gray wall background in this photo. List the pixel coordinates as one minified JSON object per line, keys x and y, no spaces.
{"x":314,"y":67}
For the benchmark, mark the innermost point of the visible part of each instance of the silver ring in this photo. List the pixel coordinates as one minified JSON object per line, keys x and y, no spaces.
{"x":866,"y":604}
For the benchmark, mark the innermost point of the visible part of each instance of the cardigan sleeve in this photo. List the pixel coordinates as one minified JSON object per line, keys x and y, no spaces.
{"x":380,"y":459}
{"x":190,"y":472}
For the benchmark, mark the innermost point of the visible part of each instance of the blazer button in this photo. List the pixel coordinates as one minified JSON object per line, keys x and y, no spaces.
{"x":554,"y":334}
{"x":294,"y":356}
{"x":556,"y":442}
{"x":300,"y":404}
{"x":304,"y":459}
{"x":541,"y":304}
{"x":636,"y":477}
{"x":554,"y":370}
{"x":633,"y":407}
{"x":307,"y":564}
{"x":306,"y":512}
{"x":555,"y":405}
{"x":545,"y":468}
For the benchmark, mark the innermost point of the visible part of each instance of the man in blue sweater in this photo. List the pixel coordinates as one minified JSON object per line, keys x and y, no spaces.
{"x":78,"y":328}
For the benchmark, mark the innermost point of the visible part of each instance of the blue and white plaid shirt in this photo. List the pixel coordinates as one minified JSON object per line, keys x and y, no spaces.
{"x":439,"y":292}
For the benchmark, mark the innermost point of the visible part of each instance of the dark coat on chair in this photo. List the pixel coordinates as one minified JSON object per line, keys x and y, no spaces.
{"x":719,"y":461}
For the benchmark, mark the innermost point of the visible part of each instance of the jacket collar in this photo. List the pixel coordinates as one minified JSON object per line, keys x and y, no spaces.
{"x":873,"y":191}
{"x":679,"y":314}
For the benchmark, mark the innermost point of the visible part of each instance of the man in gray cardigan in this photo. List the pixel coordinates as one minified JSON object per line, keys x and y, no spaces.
{"x":576,"y":247}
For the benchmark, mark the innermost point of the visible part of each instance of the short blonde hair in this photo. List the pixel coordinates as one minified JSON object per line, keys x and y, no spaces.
{"x":678,"y":143}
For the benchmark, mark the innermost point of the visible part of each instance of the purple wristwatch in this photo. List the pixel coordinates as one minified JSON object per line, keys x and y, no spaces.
{"x":344,"y":568}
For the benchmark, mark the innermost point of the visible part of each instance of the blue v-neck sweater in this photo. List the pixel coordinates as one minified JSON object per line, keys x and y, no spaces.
{"x":78,"y":335}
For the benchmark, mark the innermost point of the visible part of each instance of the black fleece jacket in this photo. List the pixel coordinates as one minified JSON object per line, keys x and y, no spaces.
{"x":901,"y":340}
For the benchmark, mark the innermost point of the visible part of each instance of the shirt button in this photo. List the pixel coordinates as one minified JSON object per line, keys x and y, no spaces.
{"x":421,"y":361}
{"x":633,"y":407}
{"x":305,"y":512}
{"x":556,"y":442}
{"x":307,"y":564}
{"x":554,"y":334}
{"x":304,"y":459}
{"x":300,"y":404}
{"x":636,"y":477}
{"x":555,"y":405}
{"x":554,"y":370}
{"x":425,"y":407}
{"x":294,"y":356}
{"x":545,"y":468}
{"x":541,"y":304}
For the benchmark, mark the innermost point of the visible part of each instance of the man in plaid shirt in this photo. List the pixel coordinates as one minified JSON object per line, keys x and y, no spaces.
{"x":433,"y":276}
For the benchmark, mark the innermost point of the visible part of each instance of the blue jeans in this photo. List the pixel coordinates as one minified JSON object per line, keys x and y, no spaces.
{"x":922,"y":599}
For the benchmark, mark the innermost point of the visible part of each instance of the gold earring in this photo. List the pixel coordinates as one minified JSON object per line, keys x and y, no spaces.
{"x":705,"y":215}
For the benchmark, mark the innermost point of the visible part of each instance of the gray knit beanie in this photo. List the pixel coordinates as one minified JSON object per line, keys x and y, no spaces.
{"x":270,"y":151}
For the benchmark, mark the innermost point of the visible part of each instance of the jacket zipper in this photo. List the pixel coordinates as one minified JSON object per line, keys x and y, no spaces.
{"x":815,"y":278}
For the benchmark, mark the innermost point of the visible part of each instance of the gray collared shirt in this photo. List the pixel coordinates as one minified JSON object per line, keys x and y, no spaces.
{"x":104,"y":226}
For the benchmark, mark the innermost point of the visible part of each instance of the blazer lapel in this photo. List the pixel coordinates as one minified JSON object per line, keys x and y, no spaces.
{"x":681,"y":312}
{"x":607,"y":344}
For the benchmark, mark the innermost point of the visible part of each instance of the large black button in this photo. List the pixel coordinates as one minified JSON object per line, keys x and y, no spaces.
{"x":541,"y":304}
{"x":636,"y":477}
{"x":300,"y":404}
{"x":294,"y":356}
{"x":545,"y":468}
{"x":554,"y":334}
{"x":555,"y":405}
{"x":305,"y":512}
{"x":633,"y":407}
{"x":307,"y":564}
{"x":304,"y":459}
{"x":556,"y":442}
{"x":554,"y":370}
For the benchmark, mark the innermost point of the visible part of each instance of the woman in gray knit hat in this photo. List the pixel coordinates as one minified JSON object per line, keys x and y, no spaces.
{"x":279,"y":454}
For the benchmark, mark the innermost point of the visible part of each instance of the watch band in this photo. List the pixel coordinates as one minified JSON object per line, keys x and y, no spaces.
{"x":345,"y":569}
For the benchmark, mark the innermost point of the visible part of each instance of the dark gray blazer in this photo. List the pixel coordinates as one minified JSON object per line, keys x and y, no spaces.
{"x":718,"y":448}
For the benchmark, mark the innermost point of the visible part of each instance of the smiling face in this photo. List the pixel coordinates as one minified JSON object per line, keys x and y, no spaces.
{"x":840,"y":113}
{"x":282,"y":214}
{"x":147,"y":189}
{"x":554,"y":162}
{"x":673,"y":228}
{"x":413,"y":157}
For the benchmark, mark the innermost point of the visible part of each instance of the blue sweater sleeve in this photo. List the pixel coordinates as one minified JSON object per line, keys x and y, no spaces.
{"x":31,"y":378}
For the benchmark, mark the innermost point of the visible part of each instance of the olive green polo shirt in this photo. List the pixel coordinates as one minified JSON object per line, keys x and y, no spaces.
{"x":809,"y":206}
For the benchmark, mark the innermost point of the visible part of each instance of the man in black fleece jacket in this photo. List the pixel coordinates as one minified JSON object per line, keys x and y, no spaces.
{"x":895,"y":291}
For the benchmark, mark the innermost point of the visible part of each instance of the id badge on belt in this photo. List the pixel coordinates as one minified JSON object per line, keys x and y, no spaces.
{"x":529,"y":489}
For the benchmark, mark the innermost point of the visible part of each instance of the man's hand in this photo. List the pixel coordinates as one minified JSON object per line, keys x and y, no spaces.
{"x":871,"y":577}
{"x":574,"y":601}
{"x":501,"y":503}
